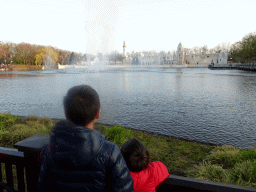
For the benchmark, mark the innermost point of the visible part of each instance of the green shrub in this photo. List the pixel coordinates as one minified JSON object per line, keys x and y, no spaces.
{"x":244,"y":174}
{"x":45,"y":131}
{"x":227,"y":156}
{"x":118,"y":135}
{"x":47,"y":122}
{"x":14,"y":129}
{"x":4,"y":136}
{"x":35,"y":125}
{"x":31,"y":118}
{"x":248,"y":154}
{"x":211,"y":172}
{"x":10,"y":122}
{"x":6,"y":120}
{"x":1,"y":125}
{"x":228,"y":165}
{"x":21,"y":132}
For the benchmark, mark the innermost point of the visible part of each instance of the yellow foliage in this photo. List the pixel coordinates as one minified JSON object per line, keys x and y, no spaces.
{"x":46,"y":54}
{"x":39,"y":57}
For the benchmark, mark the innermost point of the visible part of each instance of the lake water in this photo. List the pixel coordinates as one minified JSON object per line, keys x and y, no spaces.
{"x":211,"y":106}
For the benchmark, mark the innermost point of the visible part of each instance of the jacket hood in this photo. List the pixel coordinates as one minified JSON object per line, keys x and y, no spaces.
{"x":72,"y":145}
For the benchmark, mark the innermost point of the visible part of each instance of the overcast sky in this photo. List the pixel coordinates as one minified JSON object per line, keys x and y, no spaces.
{"x":90,"y":26}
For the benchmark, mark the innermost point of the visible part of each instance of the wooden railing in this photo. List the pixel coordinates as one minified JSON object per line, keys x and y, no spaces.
{"x":24,"y":159}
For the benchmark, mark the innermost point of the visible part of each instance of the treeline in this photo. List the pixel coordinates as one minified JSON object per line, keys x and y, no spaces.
{"x":27,"y":54}
{"x":221,"y":46}
{"x":244,"y":51}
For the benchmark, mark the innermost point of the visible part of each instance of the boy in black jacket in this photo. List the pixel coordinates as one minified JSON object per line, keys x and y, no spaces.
{"x":78,"y":158}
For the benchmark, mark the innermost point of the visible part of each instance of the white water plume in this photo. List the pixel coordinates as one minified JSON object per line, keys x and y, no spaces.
{"x":100,"y":25}
{"x":49,"y":62}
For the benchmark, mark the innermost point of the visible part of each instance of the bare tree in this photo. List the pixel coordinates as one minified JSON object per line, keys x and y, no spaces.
{"x":196,"y":50}
{"x":205,"y":48}
{"x":6,"y":52}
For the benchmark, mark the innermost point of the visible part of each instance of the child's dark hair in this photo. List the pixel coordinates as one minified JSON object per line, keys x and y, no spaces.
{"x":81,"y":104}
{"x":135,"y":155}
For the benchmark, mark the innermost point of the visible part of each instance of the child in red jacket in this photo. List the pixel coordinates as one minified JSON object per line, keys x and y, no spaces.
{"x":146,"y":176}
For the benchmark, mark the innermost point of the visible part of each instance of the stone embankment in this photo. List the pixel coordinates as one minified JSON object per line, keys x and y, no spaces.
{"x":247,"y":67}
{"x":238,"y":66}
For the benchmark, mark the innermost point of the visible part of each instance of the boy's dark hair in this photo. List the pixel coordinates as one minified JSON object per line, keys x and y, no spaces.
{"x":81,"y":104}
{"x":135,"y":154}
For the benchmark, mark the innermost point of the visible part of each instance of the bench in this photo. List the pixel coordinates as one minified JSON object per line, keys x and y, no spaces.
{"x":25,"y":156}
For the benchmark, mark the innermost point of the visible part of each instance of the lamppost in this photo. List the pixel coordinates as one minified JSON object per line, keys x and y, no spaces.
{"x":11,"y":60}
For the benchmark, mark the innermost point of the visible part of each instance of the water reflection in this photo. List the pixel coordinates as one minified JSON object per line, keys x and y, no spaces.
{"x":196,"y":104}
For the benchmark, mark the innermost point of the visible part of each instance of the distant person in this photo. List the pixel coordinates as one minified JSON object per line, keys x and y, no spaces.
{"x":146,"y":176}
{"x":78,"y":158}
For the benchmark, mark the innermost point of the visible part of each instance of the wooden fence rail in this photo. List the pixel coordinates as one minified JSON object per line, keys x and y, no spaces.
{"x":24,"y":160}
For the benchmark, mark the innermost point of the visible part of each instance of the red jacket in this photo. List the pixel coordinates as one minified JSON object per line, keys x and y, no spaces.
{"x":148,"y":179}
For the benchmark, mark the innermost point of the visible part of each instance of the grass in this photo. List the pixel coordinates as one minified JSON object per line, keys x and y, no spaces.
{"x":228,"y":164}
{"x":224,"y":164}
{"x":15,"y":181}
{"x":177,"y":155}
{"x":118,"y":134}
{"x":14,"y":129}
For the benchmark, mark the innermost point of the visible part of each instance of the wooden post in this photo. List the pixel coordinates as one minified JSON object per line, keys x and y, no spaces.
{"x":31,"y":148}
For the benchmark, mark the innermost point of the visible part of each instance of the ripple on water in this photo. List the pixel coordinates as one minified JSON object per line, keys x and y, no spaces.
{"x":199,"y":104}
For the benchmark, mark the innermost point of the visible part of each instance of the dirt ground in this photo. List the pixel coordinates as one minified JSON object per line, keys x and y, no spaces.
{"x":26,"y":67}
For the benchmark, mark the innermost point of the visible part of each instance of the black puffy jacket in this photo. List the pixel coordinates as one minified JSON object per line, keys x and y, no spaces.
{"x":80,"y":159}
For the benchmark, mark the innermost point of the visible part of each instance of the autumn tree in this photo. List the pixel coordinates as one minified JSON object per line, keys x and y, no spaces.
{"x":24,"y":54}
{"x":6,"y":52}
{"x":28,"y":54}
{"x":46,"y":55}
{"x":2,"y":52}
{"x":62,"y":56}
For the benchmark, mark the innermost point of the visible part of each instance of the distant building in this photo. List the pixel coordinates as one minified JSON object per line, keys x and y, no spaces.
{"x":153,"y":58}
{"x":187,"y":58}
{"x":182,"y":57}
{"x":169,"y":58}
{"x":148,"y":58}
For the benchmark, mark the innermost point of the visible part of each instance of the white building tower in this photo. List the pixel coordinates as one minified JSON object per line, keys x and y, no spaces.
{"x":124,"y":47}
{"x":180,"y":54}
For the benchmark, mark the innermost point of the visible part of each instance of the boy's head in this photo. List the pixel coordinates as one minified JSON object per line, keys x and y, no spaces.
{"x":81,"y":104}
{"x":136,"y":155}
